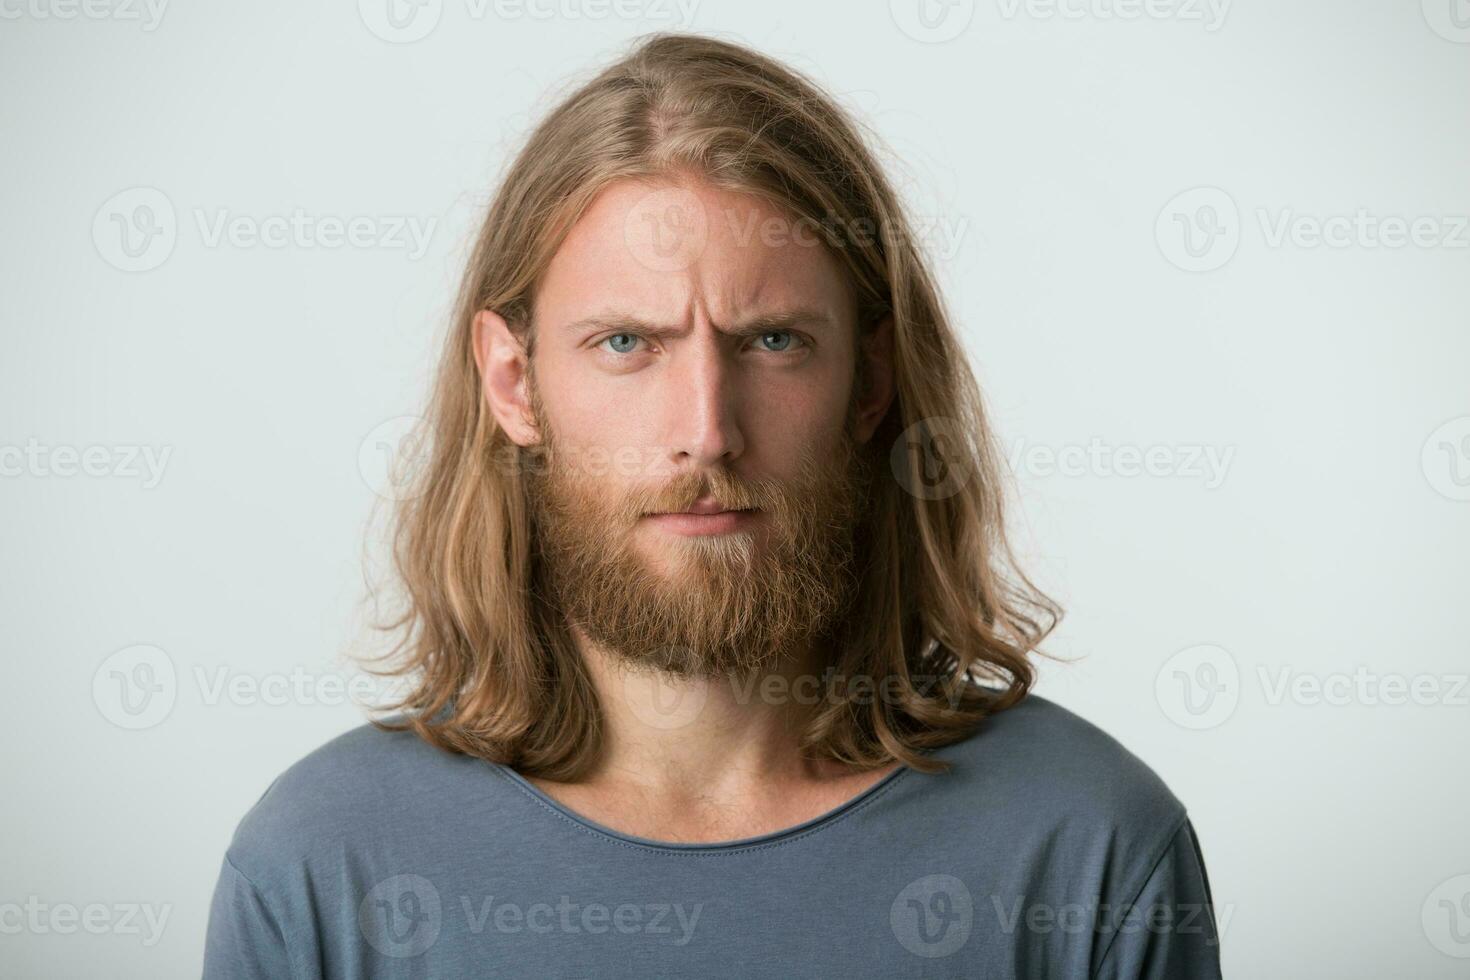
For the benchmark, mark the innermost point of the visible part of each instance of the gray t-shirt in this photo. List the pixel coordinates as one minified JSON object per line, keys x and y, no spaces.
{"x":1048,"y":850}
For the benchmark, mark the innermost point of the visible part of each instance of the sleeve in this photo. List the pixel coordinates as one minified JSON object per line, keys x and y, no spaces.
{"x":1168,"y":932}
{"x":244,"y":938}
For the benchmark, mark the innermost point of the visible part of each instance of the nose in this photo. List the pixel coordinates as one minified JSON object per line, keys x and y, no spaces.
{"x":703,"y":404}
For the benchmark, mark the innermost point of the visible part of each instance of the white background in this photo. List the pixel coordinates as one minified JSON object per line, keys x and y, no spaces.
{"x":1046,"y":147}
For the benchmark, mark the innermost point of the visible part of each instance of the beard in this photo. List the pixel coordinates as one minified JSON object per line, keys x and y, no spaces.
{"x":712,"y":605}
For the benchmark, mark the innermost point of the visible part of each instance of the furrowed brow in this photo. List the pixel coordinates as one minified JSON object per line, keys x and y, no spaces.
{"x":764,"y":323}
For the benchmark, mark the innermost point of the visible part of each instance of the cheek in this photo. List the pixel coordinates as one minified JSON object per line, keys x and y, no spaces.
{"x":590,"y":409}
{"x":800,"y":410}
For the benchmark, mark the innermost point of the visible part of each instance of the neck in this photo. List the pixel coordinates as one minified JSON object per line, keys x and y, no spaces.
{"x":708,"y":738}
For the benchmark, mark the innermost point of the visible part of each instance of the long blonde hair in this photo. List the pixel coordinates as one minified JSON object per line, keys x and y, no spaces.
{"x":944,"y":620}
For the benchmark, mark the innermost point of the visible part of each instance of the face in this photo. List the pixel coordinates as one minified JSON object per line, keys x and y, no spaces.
{"x":702,"y":459}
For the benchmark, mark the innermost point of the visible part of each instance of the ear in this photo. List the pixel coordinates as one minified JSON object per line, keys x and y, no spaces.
{"x":502,"y":362}
{"x":876,"y":350}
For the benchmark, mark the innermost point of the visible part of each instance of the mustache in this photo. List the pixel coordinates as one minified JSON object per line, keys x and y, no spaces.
{"x":680,"y":493}
{"x":817,"y":473}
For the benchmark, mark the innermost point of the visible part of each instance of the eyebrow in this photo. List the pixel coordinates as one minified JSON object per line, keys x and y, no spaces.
{"x":755,"y":325}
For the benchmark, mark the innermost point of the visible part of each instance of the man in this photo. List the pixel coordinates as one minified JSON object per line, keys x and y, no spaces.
{"x":719,"y":664}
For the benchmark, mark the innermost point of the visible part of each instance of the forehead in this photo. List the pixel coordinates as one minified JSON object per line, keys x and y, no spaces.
{"x":671,"y":250}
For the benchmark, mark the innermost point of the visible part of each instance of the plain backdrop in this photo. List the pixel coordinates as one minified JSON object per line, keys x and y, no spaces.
{"x":1210,"y":263}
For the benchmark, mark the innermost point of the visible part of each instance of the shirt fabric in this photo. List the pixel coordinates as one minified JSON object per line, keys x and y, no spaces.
{"x":1048,"y":850}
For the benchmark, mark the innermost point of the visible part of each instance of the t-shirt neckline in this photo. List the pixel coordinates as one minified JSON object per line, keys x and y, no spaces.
{"x":818,"y":822}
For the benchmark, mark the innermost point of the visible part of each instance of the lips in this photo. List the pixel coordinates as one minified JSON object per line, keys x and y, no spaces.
{"x":703,"y":507}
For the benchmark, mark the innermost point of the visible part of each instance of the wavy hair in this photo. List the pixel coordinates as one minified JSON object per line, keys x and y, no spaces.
{"x":944,"y":621}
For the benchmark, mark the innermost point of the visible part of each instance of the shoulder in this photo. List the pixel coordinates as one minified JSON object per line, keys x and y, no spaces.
{"x":353,"y":787}
{"x":1046,"y":763}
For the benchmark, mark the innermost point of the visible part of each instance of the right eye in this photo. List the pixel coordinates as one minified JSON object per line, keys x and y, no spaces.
{"x":622,"y":343}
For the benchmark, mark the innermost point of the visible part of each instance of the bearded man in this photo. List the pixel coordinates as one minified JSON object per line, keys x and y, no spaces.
{"x":718,"y":663}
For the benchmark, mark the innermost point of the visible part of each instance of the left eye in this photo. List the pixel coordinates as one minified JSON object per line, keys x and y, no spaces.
{"x":784,"y":340}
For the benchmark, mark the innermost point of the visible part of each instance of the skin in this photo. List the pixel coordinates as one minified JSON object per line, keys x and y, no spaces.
{"x":691,"y":392}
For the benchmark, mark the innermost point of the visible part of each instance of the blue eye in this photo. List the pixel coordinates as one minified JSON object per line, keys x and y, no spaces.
{"x":788,"y":335}
{"x":628,"y":338}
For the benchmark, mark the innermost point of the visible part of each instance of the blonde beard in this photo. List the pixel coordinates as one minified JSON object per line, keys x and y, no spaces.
{"x":727,"y":605}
